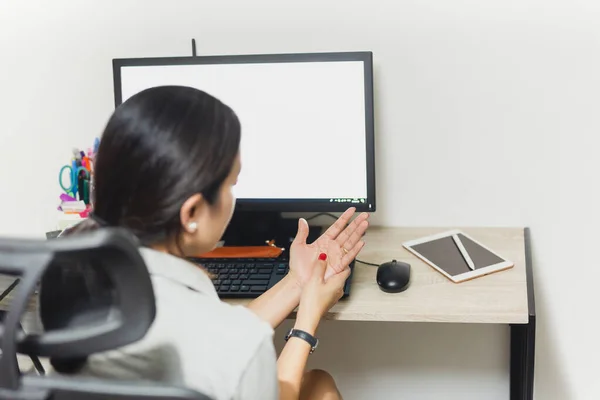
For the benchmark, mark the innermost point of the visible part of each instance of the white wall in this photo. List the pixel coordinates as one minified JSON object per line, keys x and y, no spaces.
{"x":486,"y":115}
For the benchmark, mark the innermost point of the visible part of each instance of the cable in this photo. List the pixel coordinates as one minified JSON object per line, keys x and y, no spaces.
{"x":366,"y":263}
{"x":324,"y":214}
{"x":321,"y":215}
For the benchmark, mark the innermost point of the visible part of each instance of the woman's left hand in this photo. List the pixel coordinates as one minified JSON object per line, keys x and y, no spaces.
{"x":341,"y":242}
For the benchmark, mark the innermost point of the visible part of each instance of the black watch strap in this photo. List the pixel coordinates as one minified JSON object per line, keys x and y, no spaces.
{"x":307,"y":337}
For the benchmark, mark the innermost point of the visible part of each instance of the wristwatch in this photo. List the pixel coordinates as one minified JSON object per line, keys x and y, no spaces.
{"x":307,"y":337}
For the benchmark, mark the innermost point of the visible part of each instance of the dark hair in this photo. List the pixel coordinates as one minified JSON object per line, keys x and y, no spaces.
{"x":160,"y":147}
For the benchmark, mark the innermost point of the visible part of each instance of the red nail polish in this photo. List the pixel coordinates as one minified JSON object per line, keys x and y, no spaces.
{"x":322,"y":256}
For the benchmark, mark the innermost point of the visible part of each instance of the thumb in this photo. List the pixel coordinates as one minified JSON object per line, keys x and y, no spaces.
{"x":302,"y":234}
{"x":320,"y":267}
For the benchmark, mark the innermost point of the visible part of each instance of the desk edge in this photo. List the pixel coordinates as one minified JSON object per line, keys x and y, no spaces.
{"x":529,"y":273}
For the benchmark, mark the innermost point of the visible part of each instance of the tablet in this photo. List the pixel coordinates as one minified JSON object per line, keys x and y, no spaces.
{"x":457,"y":256}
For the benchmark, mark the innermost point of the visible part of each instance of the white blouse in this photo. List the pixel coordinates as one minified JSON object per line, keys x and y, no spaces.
{"x":222,"y":351}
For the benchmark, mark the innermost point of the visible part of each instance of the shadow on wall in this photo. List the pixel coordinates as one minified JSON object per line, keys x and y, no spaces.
{"x":550,"y":379}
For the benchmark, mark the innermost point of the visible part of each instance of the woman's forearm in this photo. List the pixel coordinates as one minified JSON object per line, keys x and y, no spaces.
{"x":292,"y":360}
{"x":278,"y":302}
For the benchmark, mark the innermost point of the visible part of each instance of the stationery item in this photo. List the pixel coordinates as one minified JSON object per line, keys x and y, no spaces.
{"x":463,"y":252}
{"x":80,"y":180}
{"x":66,"y":197}
{"x":244,"y":252}
{"x":86,"y":213}
{"x":457,"y":256}
{"x":90,"y":160}
{"x":86,"y":191}
{"x":73,"y":170}
{"x":73,"y":206}
{"x":86,"y":163}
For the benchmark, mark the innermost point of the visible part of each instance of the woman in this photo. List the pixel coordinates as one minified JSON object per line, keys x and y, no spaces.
{"x":167,"y":163}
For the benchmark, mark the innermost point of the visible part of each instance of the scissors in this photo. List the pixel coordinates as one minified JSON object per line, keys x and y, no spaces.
{"x":74,"y":170}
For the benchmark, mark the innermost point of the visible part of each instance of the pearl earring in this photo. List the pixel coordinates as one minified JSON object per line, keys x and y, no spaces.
{"x":192,"y":226}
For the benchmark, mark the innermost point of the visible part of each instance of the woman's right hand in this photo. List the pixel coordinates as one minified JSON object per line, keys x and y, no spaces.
{"x":319,"y":295}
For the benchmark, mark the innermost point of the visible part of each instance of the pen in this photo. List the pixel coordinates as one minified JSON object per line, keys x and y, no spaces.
{"x":74,"y":177}
{"x":463,"y":252}
{"x":86,"y":191}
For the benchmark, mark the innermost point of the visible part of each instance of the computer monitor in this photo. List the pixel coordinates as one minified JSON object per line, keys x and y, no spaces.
{"x":307,"y":122}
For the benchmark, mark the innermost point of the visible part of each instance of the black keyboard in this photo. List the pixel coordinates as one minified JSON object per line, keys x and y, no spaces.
{"x":248,"y":278}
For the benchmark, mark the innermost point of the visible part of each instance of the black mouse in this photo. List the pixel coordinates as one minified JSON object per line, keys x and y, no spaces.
{"x":394,"y":276}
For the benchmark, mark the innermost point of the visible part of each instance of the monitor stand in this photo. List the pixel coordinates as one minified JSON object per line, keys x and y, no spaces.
{"x":254,"y":228}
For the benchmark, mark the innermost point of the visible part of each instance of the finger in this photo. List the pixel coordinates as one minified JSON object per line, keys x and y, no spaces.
{"x":352,"y":253}
{"x":302,"y":233}
{"x":356,"y":235}
{"x":345,"y":235}
{"x":339,"y":225}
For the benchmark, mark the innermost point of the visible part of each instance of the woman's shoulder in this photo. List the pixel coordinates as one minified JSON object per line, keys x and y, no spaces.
{"x":195,"y":340}
{"x":213,"y":345}
{"x":185,"y":296}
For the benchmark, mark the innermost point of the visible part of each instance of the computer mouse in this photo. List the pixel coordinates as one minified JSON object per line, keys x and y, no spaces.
{"x":393,"y":276}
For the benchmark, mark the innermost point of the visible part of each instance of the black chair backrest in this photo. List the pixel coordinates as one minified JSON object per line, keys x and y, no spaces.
{"x":79,"y":328}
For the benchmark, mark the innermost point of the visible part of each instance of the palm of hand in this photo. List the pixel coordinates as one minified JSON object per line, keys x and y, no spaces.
{"x":304,"y":254}
{"x":338,"y":237}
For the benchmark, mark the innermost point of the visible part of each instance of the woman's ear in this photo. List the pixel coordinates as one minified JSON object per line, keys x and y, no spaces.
{"x":190,"y":213}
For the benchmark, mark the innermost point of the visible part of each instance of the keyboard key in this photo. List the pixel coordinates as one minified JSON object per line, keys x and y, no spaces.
{"x":223,"y":276}
{"x":217,"y":282}
{"x":227,"y":282}
{"x":261,"y":276}
{"x":260,"y":288}
{"x":252,"y":282}
{"x":237,"y":282}
{"x":265,"y":270}
{"x":245,"y":288}
{"x":244,"y":276}
{"x":254,"y":271}
{"x":234,"y":276}
{"x":235,"y":288}
{"x":244,"y":271}
{"x":224,"y":288}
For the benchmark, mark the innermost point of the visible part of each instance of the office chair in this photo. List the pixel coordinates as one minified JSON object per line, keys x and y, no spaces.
{"x":82,"y":327}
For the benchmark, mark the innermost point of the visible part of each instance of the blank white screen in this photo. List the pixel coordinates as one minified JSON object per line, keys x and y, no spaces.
{"x":303,"y":123}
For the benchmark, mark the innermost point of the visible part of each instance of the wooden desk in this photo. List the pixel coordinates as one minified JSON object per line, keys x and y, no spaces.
{"x":501,"y":298}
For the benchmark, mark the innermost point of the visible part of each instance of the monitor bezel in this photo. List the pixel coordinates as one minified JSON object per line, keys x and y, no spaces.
{"x":279,"y":205}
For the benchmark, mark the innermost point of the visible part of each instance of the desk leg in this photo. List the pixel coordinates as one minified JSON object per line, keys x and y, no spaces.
{"x":522,"y":360}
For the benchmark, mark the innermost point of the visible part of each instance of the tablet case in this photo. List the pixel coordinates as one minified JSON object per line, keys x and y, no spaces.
{"x":444,"y":253}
